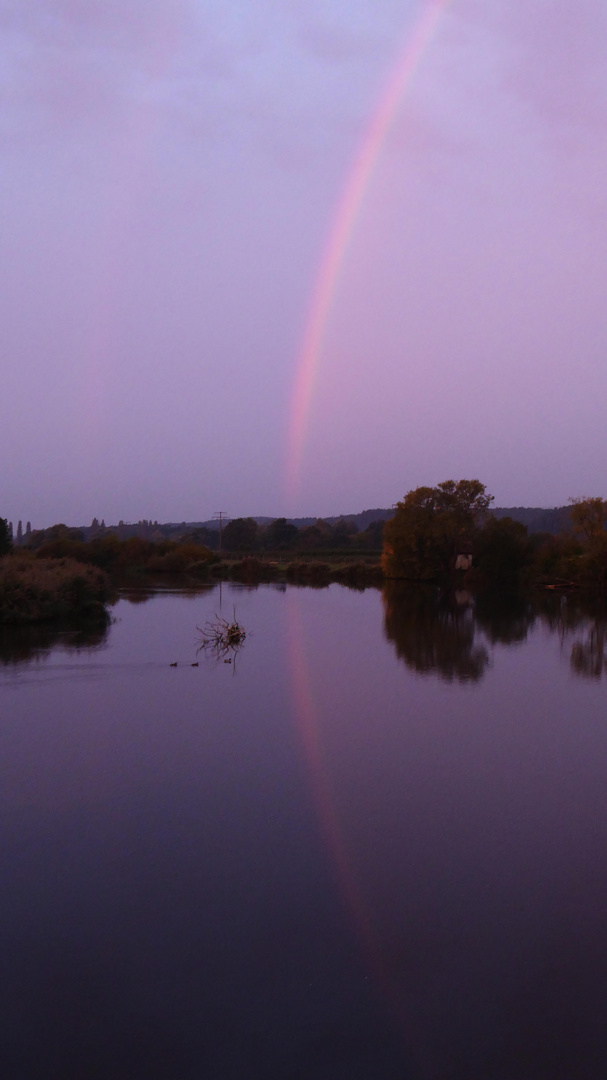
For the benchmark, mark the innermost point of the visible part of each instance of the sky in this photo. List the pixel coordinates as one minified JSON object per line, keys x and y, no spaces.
{"x":174,"y":186}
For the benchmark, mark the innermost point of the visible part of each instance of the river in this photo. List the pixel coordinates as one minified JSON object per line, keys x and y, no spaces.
{"x":373,"y":845}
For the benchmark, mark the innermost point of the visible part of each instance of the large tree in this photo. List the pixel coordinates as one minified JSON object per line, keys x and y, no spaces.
{"x":431,"y":526}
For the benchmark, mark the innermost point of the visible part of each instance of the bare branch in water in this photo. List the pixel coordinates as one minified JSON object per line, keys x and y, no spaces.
{"x":220,"y":637}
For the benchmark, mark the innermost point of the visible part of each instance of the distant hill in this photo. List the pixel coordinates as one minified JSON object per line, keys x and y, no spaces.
{"x":362,"y":520}
{"x":536,"y":518}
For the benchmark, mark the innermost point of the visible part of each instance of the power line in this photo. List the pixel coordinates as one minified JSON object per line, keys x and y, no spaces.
{"x":220,"y":516}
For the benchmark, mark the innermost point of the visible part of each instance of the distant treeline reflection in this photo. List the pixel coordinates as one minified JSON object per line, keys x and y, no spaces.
{"x":450,"y":634}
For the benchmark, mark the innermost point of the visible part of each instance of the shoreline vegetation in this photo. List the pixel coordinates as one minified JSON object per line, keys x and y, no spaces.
{"x":41,"y":590}
{"x":446,"y":535}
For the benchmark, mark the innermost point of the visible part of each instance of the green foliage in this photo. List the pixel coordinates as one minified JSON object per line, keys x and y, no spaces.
{"x":6,"y":540}
{"x":431,"y":526}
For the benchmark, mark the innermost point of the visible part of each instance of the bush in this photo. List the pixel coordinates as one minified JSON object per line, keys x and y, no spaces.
{"x":34,"y":590}
{"x":179,"y":558}
{"x":252,"y":569}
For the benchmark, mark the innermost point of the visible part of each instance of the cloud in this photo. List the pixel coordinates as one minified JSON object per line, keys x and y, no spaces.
{"x":70,"y":64}
{"x":76,"y":61}
{"x":556,"y":61}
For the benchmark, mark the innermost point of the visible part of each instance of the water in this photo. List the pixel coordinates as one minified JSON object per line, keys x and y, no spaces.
{"x":372,"y":847}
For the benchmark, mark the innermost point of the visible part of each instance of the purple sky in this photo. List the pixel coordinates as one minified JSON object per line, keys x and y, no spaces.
{"x":170,"y":173}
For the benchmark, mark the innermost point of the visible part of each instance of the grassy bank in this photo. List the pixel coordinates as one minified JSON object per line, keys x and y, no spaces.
{"x":37,"y":590}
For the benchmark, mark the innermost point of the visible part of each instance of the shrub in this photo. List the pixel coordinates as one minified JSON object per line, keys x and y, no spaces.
{"x":33,"y":590}
{"x":178,"y":558}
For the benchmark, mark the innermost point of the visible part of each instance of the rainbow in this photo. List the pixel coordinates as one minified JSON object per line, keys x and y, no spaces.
{"x":343,"y":225}
{"x":362,"y":918}
{"x":308,"y":726}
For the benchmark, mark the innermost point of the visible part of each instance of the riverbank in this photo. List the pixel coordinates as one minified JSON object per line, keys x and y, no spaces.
{"x":40,"y":590}
{"x":56,"y":586}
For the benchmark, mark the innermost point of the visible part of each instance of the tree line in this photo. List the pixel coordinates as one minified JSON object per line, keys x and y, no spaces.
{"x":238,"y":536}
{"x":438,"y":531}
{"x":435,"y":533}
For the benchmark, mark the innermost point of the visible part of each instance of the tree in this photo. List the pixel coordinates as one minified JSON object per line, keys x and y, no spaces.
{"x":431,"y":526}
{"x":6,"y":540}
{"x":589,"y":517}
{"x":240,"y":534}
{"x":589,"y":521}
{"x":372,"y":537}
{"x":502,"y":550}
{"x":310,"y":538}
{"x":280,"y":535}
{"x":343,"y":531}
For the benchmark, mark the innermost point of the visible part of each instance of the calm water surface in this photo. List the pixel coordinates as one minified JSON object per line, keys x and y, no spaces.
{"x":375,"y":846}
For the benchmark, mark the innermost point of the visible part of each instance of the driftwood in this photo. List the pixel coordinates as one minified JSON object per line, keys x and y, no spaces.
{"x":220,"y":637}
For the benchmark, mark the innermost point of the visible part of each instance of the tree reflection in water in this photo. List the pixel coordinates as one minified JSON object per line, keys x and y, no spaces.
{"x":20,"y":644}
{"x":434,"y":632}
{"x":447,"y":633}
{"x":504,"y":618}
{"x":588,"y":655}
{"x":585,"y":617}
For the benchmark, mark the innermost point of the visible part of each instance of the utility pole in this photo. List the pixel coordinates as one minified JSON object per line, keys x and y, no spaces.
{"x":220,"y":516}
